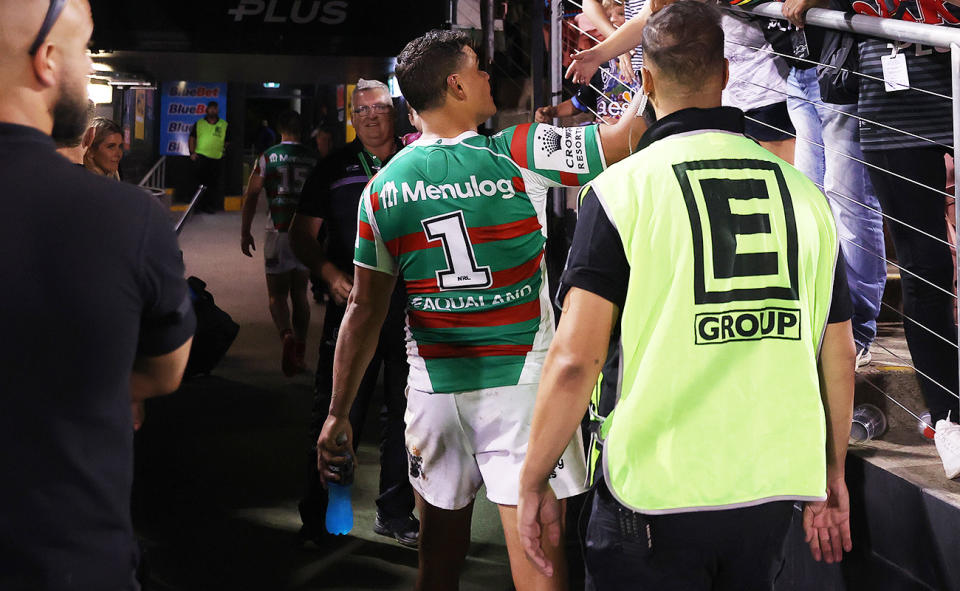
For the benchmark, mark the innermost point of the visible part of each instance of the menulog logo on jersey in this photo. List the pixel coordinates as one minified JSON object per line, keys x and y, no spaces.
{"x":560,"y":148}
{"x":391,"y":194}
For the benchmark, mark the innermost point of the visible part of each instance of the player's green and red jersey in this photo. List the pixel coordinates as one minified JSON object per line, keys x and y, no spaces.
{"x":462,"y":221}
{"x":284,"y":168}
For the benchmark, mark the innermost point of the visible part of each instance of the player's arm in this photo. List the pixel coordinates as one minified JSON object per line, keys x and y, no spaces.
{"x":565,"y":109}
{"x":620,"y":139}
{"x":250,"y":198}
{"x":366,"y":310}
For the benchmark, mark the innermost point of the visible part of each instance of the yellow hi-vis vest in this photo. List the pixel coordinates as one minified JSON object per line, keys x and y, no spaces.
{"x":732,"y":254}
{"x":211,"y":137}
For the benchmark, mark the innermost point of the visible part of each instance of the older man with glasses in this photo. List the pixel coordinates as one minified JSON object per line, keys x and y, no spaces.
{"x":330,"y":198}
{"x":99,"y":318}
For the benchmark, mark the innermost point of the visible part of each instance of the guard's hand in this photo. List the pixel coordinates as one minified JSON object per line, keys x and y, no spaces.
{"x":246,"y":244}
{"x":583,"y":67}
{"x":334,"y":447}
{"x":538,"y":517}
{"x":826,"y":524}
{"x":139,"y":414}
{"x":545,"y":114}
{"x":193,"y":157}
{"x":340,"y":283}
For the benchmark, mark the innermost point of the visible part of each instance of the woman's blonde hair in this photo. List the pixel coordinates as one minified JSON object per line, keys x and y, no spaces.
{"x":99,"y":129}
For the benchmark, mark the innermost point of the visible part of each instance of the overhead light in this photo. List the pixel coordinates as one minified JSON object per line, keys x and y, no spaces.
{"x":101,"y":94}
{"x":271,"y":85}
{"x":101,"y":67}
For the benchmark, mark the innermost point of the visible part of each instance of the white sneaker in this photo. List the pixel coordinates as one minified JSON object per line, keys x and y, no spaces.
{"x":863,"y":358}
{"x":947,"y":439}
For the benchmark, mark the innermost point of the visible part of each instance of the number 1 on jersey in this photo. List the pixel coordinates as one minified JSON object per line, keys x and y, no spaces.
{"x":462,"y":271}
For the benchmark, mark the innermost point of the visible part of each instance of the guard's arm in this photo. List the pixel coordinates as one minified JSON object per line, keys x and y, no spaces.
{"x":837,"y":361}
{"x":570,"y":372}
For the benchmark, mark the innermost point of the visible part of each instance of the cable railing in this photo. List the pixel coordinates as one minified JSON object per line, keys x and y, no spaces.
{"x":904,"y":32}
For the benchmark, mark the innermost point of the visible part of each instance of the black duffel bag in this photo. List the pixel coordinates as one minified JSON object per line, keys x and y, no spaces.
{"x":841,"y":58}
{"x":216,"y":331}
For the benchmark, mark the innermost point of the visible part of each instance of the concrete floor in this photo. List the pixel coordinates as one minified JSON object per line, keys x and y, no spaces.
{"x":220,"y":464}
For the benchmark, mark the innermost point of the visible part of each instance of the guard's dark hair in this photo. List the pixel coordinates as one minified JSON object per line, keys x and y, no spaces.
{"x":425,"y":63}
{"x":288,"y":123}
{"x":685,"y":42}
{"x":213,"y":104}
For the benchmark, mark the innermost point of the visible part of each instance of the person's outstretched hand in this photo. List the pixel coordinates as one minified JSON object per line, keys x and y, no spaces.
{"x":545,"y":114}
{"x":827,"y":523}
{"x":584,"y":65}
{"x":539,"y":515}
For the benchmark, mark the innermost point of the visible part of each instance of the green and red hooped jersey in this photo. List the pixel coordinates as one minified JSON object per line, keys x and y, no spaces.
{"x":284,"y":168}
{"x":462,"y":221}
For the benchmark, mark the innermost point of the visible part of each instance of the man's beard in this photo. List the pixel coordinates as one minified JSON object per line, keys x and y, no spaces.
{"x":69,"y":115}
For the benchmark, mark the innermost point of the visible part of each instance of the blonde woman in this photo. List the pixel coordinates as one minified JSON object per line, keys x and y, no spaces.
{"x":106,"y":148}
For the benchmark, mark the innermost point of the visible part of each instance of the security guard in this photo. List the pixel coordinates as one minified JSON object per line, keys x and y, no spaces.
{"x":718,"y":261}
{"x":208,"y":138}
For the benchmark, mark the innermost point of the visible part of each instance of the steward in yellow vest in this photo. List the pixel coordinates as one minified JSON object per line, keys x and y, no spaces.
{"x":207,"y":141}
{"x":718,"y":262}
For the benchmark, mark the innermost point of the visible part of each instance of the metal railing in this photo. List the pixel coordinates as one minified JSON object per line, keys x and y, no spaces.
{"x":895,"y":30}
{"x":156,"y":177}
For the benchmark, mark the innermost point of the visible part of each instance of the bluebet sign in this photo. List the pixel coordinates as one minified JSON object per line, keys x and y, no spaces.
{"x":181,"y":105}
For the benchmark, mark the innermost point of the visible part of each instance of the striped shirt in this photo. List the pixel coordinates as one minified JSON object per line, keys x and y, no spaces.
{"x":462,"y":221}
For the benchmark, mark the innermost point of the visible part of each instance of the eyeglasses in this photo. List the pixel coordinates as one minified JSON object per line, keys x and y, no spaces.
{"x":53,"y":13}
{"x":364,"y":110}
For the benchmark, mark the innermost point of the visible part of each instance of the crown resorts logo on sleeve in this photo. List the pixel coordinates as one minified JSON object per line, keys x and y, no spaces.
{"x":563,"y":149}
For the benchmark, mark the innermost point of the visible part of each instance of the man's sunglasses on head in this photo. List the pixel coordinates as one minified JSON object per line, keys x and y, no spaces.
{"x":53,"y":13}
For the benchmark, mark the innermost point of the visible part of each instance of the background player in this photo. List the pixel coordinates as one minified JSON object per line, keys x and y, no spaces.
{"x":461,"y":217}
{"x":282,"y":170}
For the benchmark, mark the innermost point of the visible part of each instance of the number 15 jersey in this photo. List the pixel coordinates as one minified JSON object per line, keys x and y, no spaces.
{"x":462,"y":222}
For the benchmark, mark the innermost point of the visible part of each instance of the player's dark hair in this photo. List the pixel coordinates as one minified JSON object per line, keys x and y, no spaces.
{"x":288,"y":123}
{"x":425,"y":63}
{"x":685,"y":42}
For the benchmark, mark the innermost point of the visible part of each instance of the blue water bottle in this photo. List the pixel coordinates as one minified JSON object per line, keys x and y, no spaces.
{"x":339,"y":509}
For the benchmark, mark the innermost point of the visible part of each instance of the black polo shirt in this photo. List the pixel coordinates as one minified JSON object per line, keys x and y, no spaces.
{"x":91,"y":278}
{"x":333,"y":193}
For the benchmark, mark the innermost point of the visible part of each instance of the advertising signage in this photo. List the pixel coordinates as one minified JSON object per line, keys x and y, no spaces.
{"x":181,"y":105}
{"x":310,"y":27}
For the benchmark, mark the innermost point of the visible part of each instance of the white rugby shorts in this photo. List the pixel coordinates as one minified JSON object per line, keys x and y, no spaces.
{"x":278,"y":257}
{"x":458,"y":442}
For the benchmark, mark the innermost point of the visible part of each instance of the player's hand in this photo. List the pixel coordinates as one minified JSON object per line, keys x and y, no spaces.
{"x":626,"y":68}
{"x":539,"y":516}
{"x":545,"y":114}
{"x":332,"y":453}
{"x":340,"y":283}
{"x":826,"y":524}
{"x":584,"y":65}
{"x":246,"y":244}
{"x":796,"y":10}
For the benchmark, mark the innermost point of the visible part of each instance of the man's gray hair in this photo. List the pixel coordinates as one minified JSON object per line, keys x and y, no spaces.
{"x":363,"y":84}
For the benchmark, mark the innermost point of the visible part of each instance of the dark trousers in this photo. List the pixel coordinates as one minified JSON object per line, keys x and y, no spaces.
{"x":396,"y":494}
{"x":926,"y":257}
{"x":209,"y":173}
{"x":729,"y":550}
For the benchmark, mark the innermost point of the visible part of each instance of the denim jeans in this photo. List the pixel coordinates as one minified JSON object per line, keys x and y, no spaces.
{"x":847,"y":186}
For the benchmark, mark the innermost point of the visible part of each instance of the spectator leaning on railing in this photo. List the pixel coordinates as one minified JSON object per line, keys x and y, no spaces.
{"x":892,"y":105}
